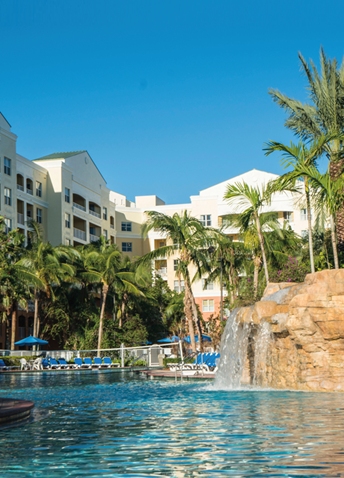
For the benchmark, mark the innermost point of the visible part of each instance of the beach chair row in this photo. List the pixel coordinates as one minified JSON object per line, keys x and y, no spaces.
{"x":206,"y":363}
{"x":79,"y":363}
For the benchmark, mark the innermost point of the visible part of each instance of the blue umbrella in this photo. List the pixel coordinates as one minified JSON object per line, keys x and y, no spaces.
{"x":205,"y":338}
{"x":168,"y":340}
{"x":31,"y":341}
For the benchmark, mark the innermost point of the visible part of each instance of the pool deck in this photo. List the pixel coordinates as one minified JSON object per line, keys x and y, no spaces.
{"x":12,"y":410}
{"x":168,"y":374}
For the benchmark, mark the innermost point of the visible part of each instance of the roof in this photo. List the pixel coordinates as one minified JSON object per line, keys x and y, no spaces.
{"x":68,"y":154}
{"x":5,"y":119}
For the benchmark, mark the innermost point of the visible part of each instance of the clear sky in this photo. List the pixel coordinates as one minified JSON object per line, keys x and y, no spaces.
{"x":168,"y":97}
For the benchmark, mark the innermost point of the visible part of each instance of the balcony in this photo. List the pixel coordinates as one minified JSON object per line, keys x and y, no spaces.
{"x":94,"y":238}
{"x":29,"y":191}
{"x":20,"y":218}
{"x":112,"y":226}
{"x":162,"y":271}
{"x":79,"y":234}
{"x":78,"y":206}
{"x":20,"y":187}
{"x":95,"y":214}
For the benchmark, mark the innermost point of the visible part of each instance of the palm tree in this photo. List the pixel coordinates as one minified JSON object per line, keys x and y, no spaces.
{"x":324,"y":114}
{"x":190,"y":240}
{"x":299,"y":156}
{"x":102,"y":267}
{"x":251,"y":201}
{"x":44,"y":266}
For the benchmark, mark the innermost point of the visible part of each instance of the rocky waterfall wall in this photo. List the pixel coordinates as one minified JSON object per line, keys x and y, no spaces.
{"x":305,"y":349}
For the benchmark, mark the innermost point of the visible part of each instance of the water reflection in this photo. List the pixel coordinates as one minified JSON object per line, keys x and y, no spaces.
{"x":103,"y":424}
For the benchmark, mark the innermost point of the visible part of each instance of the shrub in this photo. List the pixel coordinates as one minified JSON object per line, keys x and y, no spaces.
{"x":292,"y":271}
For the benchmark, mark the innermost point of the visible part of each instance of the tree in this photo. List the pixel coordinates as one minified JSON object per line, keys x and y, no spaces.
{"x":299,"y":156}
{"x":102,"y":268}
{"x":323,"y":115}
{"x":251,"y":201}
{"x":190,"y":240}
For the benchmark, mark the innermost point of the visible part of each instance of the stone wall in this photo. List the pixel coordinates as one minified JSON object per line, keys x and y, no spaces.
{"x":307,"y":324}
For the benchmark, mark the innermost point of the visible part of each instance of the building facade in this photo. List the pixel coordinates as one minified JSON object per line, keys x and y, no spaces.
{"x":68,"y":196}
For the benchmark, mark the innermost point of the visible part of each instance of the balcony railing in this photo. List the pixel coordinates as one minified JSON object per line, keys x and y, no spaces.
{"x":162,"y":271}
{"x":29,"y":191}
{"x":20,"y":187}
{"x":95,"y":214}
{"x":94,"y":238}
{"x":79,"y":234}
{"x":20,"y":218}
{"x":112,"y":226}
{"x":78,"y":206}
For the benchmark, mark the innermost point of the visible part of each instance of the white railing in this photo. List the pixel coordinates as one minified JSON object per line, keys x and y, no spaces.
{"x":21,"y":188}
{"x":20,"y":218}
{"x":82,"y":208}
{"x":112,"y":226}
{"x":162,"y":271}
{"x":95,"y":214}
{"x":29,"y":191}
{"x":79,"y":234}
{"x":94,"y":238}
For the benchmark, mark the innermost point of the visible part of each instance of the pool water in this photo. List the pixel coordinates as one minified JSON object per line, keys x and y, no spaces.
{"x":104,"y":424}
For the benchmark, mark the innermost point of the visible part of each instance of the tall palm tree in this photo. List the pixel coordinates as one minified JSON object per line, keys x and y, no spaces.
{"x":322,"y":115}
{"x":250,"y":201}
{"x":299,"y":156}
{"x":102,"y":268}
{"x":190,"y":240}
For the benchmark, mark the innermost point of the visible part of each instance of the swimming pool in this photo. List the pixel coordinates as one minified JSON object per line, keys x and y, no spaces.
{"x":119,"y":424}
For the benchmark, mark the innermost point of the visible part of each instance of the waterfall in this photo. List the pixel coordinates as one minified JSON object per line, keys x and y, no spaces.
{"x":233,"y":353}
{"x":261,"y":350}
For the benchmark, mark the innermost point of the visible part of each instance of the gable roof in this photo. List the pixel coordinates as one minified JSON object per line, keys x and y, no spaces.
{"x":68,"y":154}
{"x":239,"y":177}
{"x":5,"y":119}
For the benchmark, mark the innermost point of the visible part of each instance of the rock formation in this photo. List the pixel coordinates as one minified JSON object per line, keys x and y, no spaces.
{"x":306,"y":349}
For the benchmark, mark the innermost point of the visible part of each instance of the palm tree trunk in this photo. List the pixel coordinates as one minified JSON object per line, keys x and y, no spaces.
{"x":35,"y":320}
{"x":261,"y":241}
{"x":231,"y":288}
{"x":14,"y":325}
{"x":334,"y":243}
{"x":197,"y":322}
{"x":256,"y":262}
{"x":336,"y":169}
{"x":310,"y":238}
{"x":189,"y":314}
{"x":100,"y":334}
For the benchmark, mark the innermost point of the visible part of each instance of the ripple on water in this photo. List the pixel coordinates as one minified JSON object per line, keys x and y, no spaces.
{"x":114,"y":425}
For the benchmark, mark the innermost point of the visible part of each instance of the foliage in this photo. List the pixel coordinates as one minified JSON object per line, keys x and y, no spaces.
{"x":292,"y":271}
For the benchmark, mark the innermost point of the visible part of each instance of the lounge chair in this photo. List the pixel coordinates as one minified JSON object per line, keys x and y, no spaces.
{"x":108,"y":361}
{"x":65,"y":365}
{"x":54,"y":364}
{"x":88,"y":361}
{"x":45,"y":363}
{"x":3,"y":366}
{"x":98,"y":361}
{"x":212,"y":364}
{"x":24,"y":365}
{"x":80,"y":364}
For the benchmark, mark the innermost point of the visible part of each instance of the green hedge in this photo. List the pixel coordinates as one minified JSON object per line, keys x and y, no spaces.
{"x":171,"y":360}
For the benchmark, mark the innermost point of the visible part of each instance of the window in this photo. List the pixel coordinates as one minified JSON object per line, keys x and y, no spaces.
{"x":67,"y":195}
{"x":8,"y":225}
{"x":206,"y":220}
{"x":105,"y":213}
{"x":126,"y":226}
{"x":7,"y":166}
{"x":304,"y":215}
{"x":68,"y":242}
{"x":208,"y":305}
{"x":209,"y":286}
{"x":176,"y":286}
{"x":105,"y":234}
{"x":39,"y":215}
{"x":67,"y":220}
{"x":175,"y":264}
{"x":38,"y":189}
{"x":8,"y":198}
{"x":127,"y":246}
{"x":287,"y":215}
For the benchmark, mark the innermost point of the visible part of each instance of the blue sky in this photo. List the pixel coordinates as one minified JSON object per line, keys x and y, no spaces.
{"x":168,"y":97}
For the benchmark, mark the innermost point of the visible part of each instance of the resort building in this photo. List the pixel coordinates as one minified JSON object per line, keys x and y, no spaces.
{"x":68,"y":196}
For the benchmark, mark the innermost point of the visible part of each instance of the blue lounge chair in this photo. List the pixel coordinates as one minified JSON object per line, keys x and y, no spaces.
{"x":45,"y":363}
{"x":80,"y":364}
{"x":63,"y":364}
{"x":212,"y":363}
{"x":108,"y":361}
{"x":54,"y":364}
{"x":3,"y":366}
{"x":88,"y":362}
{"x":98,"y":361}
